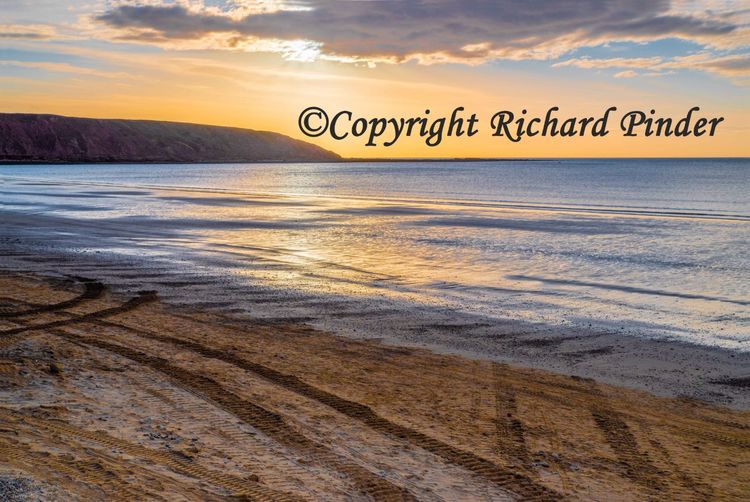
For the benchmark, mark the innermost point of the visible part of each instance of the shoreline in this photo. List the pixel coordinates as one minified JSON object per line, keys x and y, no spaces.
{"x":662,"y":367}
{"x":206,"y":405}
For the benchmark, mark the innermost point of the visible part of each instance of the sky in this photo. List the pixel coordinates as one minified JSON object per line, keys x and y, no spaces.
{"x":259,"y":63}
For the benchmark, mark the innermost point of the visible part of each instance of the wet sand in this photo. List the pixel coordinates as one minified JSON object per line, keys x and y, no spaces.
{"x":617,"y":294}
{"x":616,"y":356}
{"x":112,"y":397}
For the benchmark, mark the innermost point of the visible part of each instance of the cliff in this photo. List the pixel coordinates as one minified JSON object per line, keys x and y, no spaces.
{"x":53,"y":138}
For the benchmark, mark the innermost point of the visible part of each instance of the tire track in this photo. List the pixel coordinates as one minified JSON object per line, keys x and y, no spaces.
{"x":142,"y":298}
{"x":198,"y":410}
{"x":93,"y":290}
{"x":676,"y":423}
{"x":569,"y":401}
{"x":173,"y":461}
{"x":557,"y":447}
{"x":700,"y":492}
{"x":509,"y":429}
{"x":578,"y":396}
{"x":89,"y":472}
{"x":638,"y":466}
{"x":476,"y":399}
{"x":505,"y":478}
{"x":268,"y":422}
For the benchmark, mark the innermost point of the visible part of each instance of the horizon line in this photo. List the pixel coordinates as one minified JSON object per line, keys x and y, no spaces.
{"x":4,"y":162}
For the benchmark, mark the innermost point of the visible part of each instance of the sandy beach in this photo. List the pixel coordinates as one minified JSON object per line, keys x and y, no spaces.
{"x":206,"y":341}
{"x":108,"y":397}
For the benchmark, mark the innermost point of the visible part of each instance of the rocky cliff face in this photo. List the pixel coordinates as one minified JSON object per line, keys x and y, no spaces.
{"x":52,"y":138}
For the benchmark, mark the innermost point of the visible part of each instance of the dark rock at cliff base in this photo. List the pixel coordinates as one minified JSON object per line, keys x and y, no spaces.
{"x":52,"y":138}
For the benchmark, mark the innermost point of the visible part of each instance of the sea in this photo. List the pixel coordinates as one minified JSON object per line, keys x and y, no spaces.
{"x":657,"y":248}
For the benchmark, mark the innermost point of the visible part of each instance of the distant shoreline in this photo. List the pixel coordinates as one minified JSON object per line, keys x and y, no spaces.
{"x":358,"y":160}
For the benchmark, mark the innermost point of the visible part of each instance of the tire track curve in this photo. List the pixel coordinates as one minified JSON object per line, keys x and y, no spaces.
{"x":92,"y":291}
{"x":133,"y":303}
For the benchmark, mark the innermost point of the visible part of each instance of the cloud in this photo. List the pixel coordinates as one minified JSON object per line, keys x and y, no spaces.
{"x":611,"y":63}
{"x":733,"y":65}
{"x":425,"y":31}
{"x":65,"y":68}
{"x":626,"y":74}
{"x":27,"y":31}
{"x":737,"y":65}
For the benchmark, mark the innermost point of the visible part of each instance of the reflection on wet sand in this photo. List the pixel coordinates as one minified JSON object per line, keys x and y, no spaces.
{"x":610,"y":278}
{"x":473,"y":256}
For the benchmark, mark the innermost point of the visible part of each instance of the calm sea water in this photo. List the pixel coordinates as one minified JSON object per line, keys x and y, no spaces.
{"x":657,"y":246}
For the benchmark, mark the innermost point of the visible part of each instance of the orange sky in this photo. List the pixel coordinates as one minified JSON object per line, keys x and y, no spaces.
{"x":92,"y":76}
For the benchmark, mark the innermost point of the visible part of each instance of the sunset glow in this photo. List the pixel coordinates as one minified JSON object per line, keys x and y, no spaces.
{"x":257,"y":64}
